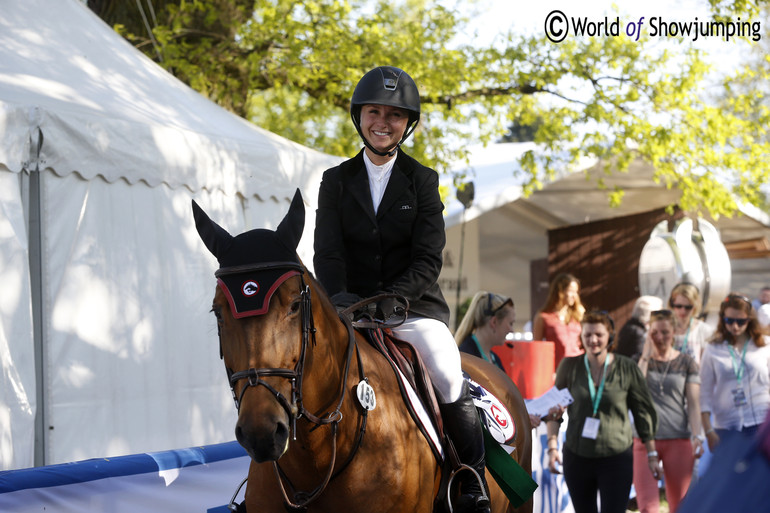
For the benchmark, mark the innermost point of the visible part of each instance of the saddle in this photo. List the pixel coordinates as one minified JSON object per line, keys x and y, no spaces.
{"x":407,"y":363}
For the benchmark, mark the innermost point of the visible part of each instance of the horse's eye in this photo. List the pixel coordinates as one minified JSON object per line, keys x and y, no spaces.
{"x":294,"y":307}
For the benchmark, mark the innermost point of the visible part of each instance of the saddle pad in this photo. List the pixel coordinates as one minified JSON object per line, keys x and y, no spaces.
{"x":409,"y":393}
{"x":420,"y":415}
{"x":495,"y":416}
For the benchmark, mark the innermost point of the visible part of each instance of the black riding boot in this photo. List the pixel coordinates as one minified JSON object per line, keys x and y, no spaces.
{"x":462,"y":425}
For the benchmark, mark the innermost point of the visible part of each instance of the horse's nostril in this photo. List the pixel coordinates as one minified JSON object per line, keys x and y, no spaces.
{"x":281,"y":431}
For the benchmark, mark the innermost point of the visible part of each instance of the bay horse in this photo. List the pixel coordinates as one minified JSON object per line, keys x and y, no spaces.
{"x":294,"y":365}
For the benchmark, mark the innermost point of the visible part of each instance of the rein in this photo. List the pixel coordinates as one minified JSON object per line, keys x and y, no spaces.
{"x":294,"y":407}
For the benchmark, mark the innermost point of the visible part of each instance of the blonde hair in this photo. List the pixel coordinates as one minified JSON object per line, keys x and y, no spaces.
{"x":483,"y":307}
{"x":689,"y":291}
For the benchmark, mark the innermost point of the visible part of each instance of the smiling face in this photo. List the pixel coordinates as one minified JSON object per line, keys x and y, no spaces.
{"x":662,"y":335}
{"x":595,"y":338}
{"x":383,"y":127}
{"x":570,"y":294}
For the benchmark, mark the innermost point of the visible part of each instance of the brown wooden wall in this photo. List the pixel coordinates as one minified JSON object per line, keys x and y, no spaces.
{"x":604,"y":256}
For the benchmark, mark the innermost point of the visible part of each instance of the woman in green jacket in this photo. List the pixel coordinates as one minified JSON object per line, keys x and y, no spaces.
{"x":597,"y":452}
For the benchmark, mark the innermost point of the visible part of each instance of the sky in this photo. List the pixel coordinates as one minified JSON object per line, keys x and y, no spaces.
{"x":529,"y":17}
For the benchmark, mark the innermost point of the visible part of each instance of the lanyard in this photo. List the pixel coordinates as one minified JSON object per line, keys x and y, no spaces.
{"x":478,"y":346}
{"x":596,"y":396}
{"x":686,"y":336}
{"x":738,"y":368}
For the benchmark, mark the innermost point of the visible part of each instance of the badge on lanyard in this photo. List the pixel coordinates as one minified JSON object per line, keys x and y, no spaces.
{"x":591,"y":428}
{"x":591,"y":425}
{"x":739,"y":396}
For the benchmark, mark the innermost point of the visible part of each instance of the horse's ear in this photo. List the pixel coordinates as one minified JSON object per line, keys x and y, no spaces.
{"x":290,"y":229}
{"x":216,"y":238}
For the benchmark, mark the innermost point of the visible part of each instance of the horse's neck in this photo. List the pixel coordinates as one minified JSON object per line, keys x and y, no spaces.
{"x":325,"y":362}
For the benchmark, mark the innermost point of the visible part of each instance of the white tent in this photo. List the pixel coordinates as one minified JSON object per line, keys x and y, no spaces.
{"x":107,"y":345}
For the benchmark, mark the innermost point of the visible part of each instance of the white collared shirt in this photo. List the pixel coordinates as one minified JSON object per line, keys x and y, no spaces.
{"x":718,"y":382}
{"x":378,"y":179}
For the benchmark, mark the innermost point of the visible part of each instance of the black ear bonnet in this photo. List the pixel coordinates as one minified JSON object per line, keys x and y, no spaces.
{"x":253,"y":264}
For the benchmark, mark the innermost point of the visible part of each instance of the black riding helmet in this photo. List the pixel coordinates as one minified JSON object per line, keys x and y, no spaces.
{"x":391,"y":86}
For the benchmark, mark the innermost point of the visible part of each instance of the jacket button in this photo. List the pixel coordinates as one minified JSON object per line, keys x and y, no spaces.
{"x":377,"y":258}
{"x":379,"y":284}
{"x":374,"y":231}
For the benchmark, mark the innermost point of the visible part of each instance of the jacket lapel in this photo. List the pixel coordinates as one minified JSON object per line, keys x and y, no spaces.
{"x":358,"y":185}
{"x":396,"y":185}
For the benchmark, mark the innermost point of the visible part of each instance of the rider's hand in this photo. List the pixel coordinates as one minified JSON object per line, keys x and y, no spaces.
{"x":389,"y":307}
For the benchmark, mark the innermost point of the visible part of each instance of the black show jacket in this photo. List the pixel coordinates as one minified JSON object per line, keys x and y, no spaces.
{"x":399,"y":249}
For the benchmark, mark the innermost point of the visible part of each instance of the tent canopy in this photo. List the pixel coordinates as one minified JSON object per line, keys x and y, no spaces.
{"x":111,"y":112}
{"x":107,"y":346}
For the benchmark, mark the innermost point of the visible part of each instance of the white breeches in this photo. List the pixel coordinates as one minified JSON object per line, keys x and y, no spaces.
{"x":439,"y":352}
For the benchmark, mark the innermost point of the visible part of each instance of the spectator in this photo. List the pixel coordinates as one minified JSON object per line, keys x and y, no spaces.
{"x":690,"y":333}
{"x":559,"y":319}
{"x":597,"y":450}
{"x":763,"y":316}
{"x":763,"y":299}
{"x":735,"y":374}
{"x":674,"y":384}
{"x":762,"y":306}
{"x":486,"y":324}
{"x":633,"y":333}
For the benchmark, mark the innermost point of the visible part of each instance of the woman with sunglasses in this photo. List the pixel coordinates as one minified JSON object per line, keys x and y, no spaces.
{"x":674,"y":384}
{"x":486,"y":324}
{"x":690,"y":333}
{"x":735,"y":373}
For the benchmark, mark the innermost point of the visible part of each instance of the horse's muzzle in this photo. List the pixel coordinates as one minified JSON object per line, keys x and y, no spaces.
{"x":266,"y":440}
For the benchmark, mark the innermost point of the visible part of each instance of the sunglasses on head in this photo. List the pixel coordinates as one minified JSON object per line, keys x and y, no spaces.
{"x":738,"y":297}
{"x":739,"y":322}
{"x":686,"y":307}
{"x":489,"y":311}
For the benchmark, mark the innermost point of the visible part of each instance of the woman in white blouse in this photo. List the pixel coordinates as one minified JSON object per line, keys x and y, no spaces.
{"x":735,"y":373}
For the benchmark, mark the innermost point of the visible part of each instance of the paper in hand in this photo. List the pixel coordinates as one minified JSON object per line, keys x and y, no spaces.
{"x":553,"y":397}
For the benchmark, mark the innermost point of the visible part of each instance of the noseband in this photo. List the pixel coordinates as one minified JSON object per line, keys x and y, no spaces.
{"x":253,"y":377}
{"x":294,"y":407}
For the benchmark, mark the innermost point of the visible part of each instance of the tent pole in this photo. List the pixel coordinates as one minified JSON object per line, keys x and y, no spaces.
{"x":465,"y":194}
{"x":35,"y":249}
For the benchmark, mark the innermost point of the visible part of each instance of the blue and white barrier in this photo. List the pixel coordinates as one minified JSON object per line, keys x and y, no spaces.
{"x":194,"y":480}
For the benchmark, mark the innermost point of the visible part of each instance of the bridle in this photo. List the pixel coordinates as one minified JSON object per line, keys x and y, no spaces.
{"x":294,"y":407}
{"x":254,"y":377}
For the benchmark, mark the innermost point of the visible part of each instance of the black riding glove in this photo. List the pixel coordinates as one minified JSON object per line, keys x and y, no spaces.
{"x":389,"y":307}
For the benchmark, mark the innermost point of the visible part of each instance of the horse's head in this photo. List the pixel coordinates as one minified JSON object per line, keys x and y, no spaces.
{"x":264,"y":321}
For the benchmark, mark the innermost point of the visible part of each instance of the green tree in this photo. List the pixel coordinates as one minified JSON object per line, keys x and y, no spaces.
{"x":290,"y":67}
